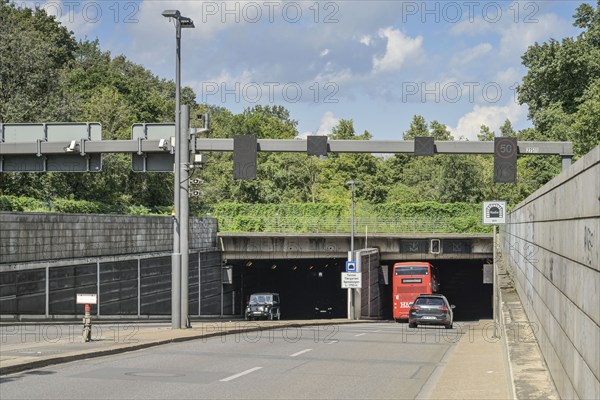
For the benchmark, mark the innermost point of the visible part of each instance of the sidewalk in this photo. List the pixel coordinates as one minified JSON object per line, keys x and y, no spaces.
{"x":477,"y":367}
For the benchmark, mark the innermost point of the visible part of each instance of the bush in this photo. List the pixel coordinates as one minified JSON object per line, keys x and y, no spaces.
{"x":21,"y":204}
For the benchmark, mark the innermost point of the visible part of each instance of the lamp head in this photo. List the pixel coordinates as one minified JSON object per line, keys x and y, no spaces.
{"x":171,"y":14}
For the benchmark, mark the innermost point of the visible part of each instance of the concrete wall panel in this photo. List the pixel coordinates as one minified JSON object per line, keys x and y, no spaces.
{"x":29,"y":237}
{"x":551,"y":243}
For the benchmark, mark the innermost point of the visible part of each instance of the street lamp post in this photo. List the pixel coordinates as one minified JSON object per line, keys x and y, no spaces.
{"x":352,"y":185}
{"x":178,"y":271}
{"x":351,"y":255}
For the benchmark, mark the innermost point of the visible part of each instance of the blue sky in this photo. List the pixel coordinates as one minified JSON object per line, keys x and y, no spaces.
{"x":375,"y":62}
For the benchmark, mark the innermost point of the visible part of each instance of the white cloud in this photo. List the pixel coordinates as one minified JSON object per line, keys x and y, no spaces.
{"x":328,"y":122}
{"x":366,"y":40}
{"x":476,"y":26}
{"x":467,"y":56}
{"x":516,"y":38}
{"x":399,"y":49}
{"x":509,"y":77}
{"x":324,"y":53}
{"x":468,"y":125}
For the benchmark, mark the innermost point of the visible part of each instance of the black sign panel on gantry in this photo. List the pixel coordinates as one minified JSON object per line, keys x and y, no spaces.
{"x":316,"y":145}
{"x":505,"y":160}
{"x":424,"y":146}
{"x":244,"y":157}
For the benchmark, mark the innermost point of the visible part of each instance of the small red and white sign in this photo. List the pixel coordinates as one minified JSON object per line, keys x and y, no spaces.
{"x":86,"y":298}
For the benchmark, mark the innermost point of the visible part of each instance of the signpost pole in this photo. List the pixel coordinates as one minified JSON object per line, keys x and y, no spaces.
{"x":176,"y":255}
{"x":184,"y":212}
{"x":495,"y":286}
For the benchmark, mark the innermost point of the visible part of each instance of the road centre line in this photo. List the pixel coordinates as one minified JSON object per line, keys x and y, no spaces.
{"x":360,"y":334}
{"x":300,"y":352}
{"x":246,"y":372}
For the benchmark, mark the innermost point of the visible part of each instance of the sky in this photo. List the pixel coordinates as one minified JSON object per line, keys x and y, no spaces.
{"x":378,"y":63}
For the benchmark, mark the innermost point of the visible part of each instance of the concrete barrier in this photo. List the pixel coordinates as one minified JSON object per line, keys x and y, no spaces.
{"x":551,"y":243}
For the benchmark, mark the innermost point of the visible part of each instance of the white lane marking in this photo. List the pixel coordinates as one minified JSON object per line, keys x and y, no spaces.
{"x":332,"y":342}
{"x":246,"y":372}
{"x":360,"y":334}
{"x":300,"y":352}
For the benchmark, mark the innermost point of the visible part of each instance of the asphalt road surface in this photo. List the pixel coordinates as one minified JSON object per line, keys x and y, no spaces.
{"x":360,"y":361}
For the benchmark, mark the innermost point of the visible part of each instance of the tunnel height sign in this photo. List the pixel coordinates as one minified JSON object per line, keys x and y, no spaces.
{"x":494,"y":212}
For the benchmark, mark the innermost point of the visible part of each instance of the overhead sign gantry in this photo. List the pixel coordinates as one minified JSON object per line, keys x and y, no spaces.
{"x":77,"y":147}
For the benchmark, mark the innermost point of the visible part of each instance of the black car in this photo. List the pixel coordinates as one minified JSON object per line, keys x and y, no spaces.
{"x":430,"y":309}
{"x":263,"y":305}
{"x":323,"y":309}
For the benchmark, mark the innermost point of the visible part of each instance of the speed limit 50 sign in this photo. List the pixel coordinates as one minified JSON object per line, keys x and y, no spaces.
{"x":505,"y":160}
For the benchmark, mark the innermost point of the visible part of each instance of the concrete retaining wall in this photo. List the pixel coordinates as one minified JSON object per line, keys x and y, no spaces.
{"x":27,"y":237}
{"x":551,"y":242}
{"x":45,"y":259}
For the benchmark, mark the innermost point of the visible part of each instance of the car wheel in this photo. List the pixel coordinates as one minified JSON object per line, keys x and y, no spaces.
{"x":412,"y":324}
{"x":449,"y":326}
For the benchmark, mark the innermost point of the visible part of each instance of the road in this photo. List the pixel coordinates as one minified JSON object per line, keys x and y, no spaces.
{"x":360,"y":361}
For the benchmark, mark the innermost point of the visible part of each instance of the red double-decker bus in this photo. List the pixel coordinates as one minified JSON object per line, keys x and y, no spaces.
{"x":410,"y":280}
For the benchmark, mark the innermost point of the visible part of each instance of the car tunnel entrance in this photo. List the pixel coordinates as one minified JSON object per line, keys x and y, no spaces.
{"x":307,"y":288}
{"x":461,"y":281}
{"x":312,"y":288}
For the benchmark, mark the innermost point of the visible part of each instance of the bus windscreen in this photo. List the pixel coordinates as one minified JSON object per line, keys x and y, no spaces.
{"x":412,"y":271}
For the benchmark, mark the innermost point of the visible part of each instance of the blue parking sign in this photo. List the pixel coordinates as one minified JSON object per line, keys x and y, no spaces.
{"x":350,"y":266}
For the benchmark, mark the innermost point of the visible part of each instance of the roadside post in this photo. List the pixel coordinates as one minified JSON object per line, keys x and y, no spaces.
{"x":87,"y":300}
{"x":494,"y":213}
{"x":351,"y":279}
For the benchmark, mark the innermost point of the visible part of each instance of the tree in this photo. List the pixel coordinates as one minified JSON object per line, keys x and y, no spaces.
{"x":418,"y":127}
{"x":560,"y":79}
{"x":440,"y":131}
{"x":506,"y":130}
{"x":345,"y":131}
{"x":35,"y":50}
{"x":586,"y":130}
{"x":486,"y":134}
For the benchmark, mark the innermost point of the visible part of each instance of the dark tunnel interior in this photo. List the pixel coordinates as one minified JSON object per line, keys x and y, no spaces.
{"x":306,"y":284}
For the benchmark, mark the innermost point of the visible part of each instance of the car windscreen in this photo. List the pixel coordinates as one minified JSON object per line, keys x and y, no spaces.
{"x":260,"y":299}
{"x":412,"y":270}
